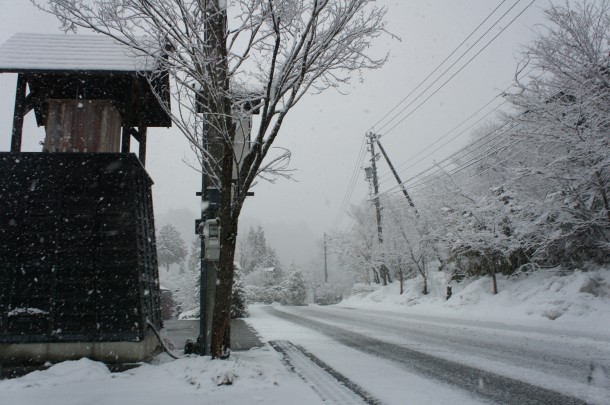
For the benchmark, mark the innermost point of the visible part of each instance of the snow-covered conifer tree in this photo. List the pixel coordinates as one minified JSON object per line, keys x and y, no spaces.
{"x":170,"y":246}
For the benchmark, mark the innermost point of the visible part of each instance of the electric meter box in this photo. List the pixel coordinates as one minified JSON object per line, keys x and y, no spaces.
{"x":211,"y":233}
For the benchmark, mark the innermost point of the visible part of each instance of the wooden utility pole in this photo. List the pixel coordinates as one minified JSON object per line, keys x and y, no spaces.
{"x":384,"y":272}
{"x":325,"y":262}
{"x":372,"y":138}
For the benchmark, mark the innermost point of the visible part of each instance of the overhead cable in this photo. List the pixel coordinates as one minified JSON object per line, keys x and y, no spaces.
{"x":452,"y":76}
{"x":435,"y":69}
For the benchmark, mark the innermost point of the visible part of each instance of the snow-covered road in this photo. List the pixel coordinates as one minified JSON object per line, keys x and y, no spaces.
{"x":490,"y":361}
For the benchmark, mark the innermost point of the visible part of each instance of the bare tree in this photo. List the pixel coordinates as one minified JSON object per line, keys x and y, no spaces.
{"x":357,"y":247}
{"x":226,"y":60}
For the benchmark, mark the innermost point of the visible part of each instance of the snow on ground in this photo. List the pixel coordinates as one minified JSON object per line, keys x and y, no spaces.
{"x":578,"y":300}
{"x":384,"y":380}
{"x":575,"y":305}
{"x":253,"y":377}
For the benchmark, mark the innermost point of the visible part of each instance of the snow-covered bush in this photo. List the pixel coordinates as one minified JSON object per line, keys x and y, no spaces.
{"x":294,"y":291}
{"x":291,"y":291}
{"x":327,"y":295}
{"x":239,"y":297}
{"x":265,"y":295}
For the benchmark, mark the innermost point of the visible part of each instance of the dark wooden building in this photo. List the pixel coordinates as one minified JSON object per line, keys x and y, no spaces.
{"x":78,"y":265}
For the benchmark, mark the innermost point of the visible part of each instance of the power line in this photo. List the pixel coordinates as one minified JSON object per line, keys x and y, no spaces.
{"x":413,"y":163}
{"x":437,"y":67}
{"x":501,"y":94}
{"x":468,"y":149}
{"x":352,"y":183}
{"x":351,"y":186}
{"x":447,"y":70}
{"x":502,"y":145}
{"x":508,"y":156}
{"x":463,"y":166}
{"x":454,"y":74}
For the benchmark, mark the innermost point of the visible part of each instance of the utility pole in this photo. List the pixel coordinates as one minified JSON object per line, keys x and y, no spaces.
{"x":384,"y":272}
{"x":209,"y":207}
{"x":372,"y":138}
{"x":325,"y":263}
{"x":208,"y":260}
{"x":203,"y":274}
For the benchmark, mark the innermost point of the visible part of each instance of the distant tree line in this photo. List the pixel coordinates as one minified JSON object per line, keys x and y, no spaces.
{"x":265,"y":279}
{"x":530,"y":191}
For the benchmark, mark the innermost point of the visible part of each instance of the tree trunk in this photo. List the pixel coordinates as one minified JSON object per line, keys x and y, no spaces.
{"x":221,"y":320}
{"x":493,"y":280}
{"x":383,"y":272}
{"x":401,"y":278}
{"x":388,"y":273}
{"x":228,"y":218}
{"x":602,"y":190}
{"x":376,"y":276}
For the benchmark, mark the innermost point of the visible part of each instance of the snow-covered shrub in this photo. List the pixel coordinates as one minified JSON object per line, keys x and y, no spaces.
{"x":327,"y":295}
{"x":265,"y":295}
{"x":294,"y":291}
{"x":239,"y":298}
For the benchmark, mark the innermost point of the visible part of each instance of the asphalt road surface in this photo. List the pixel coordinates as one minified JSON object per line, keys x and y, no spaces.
{"x":494,"y":361}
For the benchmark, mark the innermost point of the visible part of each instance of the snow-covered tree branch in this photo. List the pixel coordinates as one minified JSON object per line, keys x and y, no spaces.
{"x":228,"y":60}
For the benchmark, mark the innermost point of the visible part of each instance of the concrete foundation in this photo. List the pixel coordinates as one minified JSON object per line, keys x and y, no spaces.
{"x":107,"y":352}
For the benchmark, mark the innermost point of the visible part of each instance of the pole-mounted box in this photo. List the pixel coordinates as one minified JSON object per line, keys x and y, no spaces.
{"x":211,"y":233}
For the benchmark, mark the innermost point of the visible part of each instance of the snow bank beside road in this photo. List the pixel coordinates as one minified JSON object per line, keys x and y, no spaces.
{"x":576,"y":300}
{"x":254,"y":377}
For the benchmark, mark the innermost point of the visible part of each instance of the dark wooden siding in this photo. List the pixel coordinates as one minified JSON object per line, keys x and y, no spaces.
{"x":77,"y":248}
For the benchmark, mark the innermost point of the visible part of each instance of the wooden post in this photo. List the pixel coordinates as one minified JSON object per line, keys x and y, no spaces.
{"x":128,"y":120}
{"x":142,"y":140}
{"x":18,"y":114}
{"x":126,"y":139}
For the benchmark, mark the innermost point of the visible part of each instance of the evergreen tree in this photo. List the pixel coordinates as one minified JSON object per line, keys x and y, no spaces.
{"x":239,"y":301}
{"x":293,"y":288}
{"x":271,"y":261}
{"x":170,"y":246}
{"x":256,"y":254}
{"x":194,"y":260}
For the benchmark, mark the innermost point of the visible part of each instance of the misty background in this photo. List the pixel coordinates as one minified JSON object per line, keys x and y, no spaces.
{"x":325,"y":132}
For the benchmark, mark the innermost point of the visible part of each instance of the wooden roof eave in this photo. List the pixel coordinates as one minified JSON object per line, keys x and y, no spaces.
{"x":161,"y":119}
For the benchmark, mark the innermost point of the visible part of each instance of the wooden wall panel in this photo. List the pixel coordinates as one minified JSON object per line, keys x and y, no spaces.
{"x":92,"y":126}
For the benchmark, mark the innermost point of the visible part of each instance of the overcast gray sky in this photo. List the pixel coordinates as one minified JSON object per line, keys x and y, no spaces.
{"x":325,"y":131}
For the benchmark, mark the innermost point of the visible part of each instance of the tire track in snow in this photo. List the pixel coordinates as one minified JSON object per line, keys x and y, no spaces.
{"x":328,"y":383}
{"x":487,"y":385}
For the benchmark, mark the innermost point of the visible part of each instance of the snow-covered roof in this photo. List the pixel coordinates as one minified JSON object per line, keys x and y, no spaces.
{"x":65,"y":52}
